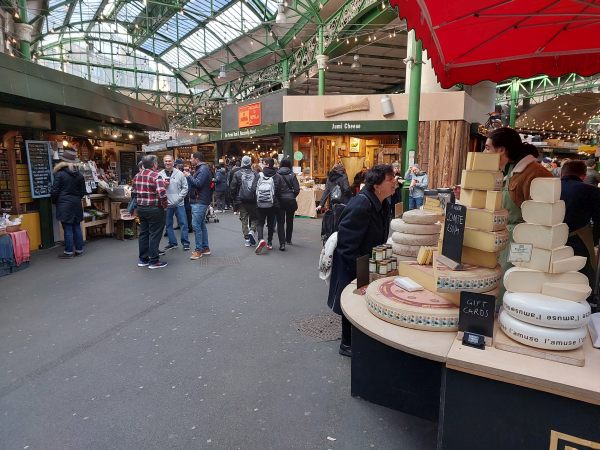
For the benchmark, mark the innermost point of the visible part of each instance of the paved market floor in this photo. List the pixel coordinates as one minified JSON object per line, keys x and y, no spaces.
{"x":100,"y":354}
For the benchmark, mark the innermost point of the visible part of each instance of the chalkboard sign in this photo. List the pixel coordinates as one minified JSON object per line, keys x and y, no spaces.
{"x":127,"y":166}
{"x":454,"y":231}
{"x":476,"y":314}
{"x":39,"y":156}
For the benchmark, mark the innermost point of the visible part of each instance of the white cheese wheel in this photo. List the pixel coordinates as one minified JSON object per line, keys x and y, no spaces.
{"x":546,"y":311}
{"x":517,"y":279}
{"x":405,"y":250}
{"x":541,"y":337}
{"x":574,"y":292}
{"x":572,"y":264}
{"x":422,"y":310}
{"x":545,"y":190}
{"x":541,"y":236}
{"x":540,"y":213}
{"x":472,"y":279}
{"x":420,"y":217}
{"x":415,"y":239}
{"x":402,"y":227}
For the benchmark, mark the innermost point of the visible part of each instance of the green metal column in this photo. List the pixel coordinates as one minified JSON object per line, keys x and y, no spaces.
{"x":285,"y":70}
{"x":25,"y":46}
{"x":287,"y":146}
{"x":514,"y":100}
{"x":321,"y":70}
{"x":414,"y":105}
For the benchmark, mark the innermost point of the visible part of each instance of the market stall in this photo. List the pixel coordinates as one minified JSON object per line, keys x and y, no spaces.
{"x":307,"y":200}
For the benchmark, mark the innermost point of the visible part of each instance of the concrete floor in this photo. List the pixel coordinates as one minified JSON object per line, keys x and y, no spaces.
{"x":100,"y":354}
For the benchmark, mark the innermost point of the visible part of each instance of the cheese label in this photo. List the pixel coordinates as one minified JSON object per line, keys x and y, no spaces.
{"x":520,"y":252}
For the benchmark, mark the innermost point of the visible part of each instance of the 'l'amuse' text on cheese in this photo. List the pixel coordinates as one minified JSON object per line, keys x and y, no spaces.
{"x":422,"y":310}
{"x":486,"y":220}
{"x":414,"y":239}
{"x":420,"y":217}
{"x":546,"y":310}
{"x":545,"y":190}
{"x":541,"y":236}
{"x":405,"y":250}
{"x":540,"y":213}
{"x":472,"y":198}
{"x":572,"y":264}
{"x":493,"y":200}
{"x":483,"y":161}
{"x":543,"y":259}
{"x":477,"y":179}
{"x":573,"y":292}
{"x":541,"y":337}
{"x":488,"y":241}
{"x":402,"y":227}
{"x":517,"y":279}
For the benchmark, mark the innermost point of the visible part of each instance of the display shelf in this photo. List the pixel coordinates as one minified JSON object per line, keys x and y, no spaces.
{"x":102,"y":203}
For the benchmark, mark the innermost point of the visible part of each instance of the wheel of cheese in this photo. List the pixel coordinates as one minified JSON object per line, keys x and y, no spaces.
{"x":415,"y":239}
{"x":410,"y":228}
{"x":471,"y":279}
{"x":541,"y":337}
{"x":517,"y":279}
{"x":405,"y":258}
{"x":546,"y":311}
{"x":420,"y":217}
{"x":405,"y":250}
{"x":422,"y":310}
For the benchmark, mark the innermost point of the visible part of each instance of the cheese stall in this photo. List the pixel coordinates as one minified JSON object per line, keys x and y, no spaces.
{"x":503,"y":355}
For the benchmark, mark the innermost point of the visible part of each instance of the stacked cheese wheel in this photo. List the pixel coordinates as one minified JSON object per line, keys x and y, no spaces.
{"x":485,"y":228}
{"x":416,"y":228}
{"x":545,"y":304}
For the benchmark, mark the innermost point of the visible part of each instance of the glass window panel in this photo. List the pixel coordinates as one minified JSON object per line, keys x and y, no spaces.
{"x":86,"y":10}
{"x":130,"y":11}
{"x":156,"y":45}
{"x":177,"y":58}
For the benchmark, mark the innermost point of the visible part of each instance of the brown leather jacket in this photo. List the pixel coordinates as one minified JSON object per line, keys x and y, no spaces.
{"x":518,"y":187}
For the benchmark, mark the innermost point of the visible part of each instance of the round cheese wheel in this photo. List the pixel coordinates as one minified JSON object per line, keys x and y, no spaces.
{"x":541,"y":337}
{"x":405,"y":250}
{"x":470,"y":279}
{"x":422,"y":310}
{"x":402,"y":227}
{"x":415,"y":239}
{"x":547,"y":311}
{"x":420,"y":217}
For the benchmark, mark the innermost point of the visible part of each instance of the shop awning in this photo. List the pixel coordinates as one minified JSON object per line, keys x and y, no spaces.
{"x":469,"y":42}
{"x":28,"y":85}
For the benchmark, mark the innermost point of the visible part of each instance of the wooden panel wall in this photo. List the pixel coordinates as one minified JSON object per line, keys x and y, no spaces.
{"x":443,"y":147}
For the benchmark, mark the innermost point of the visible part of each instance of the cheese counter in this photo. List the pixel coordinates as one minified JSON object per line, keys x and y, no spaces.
{"x":489,"y":398}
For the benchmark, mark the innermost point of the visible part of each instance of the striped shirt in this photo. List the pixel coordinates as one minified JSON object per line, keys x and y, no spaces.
{"x":149,"y":189}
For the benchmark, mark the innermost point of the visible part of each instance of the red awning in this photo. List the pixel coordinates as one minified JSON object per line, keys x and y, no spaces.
{"x":472,"y":41}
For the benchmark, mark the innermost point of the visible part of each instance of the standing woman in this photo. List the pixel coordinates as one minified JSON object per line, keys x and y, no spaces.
{"x":67,"y":190}
{"x":364,"y":224}
{"x":520,"y":167}
{"x":290,"y":188}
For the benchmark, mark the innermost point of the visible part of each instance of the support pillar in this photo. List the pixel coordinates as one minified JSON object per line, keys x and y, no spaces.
{"x":514,"y":100}
{"x":321,"y":62}
{"x":23,"y":31}
{"x":285,"y":73}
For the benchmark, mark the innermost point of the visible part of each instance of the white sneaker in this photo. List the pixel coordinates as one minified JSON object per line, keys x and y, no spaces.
{"x":247,"y":243}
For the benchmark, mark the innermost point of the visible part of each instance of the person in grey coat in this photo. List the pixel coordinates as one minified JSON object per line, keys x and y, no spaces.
{"x":418,"y":183}
{"x":177,"y":190}
{"x":67,"y":191}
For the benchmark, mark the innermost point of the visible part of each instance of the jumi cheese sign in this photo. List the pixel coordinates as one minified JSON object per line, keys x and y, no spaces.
{"x":249,"y":115}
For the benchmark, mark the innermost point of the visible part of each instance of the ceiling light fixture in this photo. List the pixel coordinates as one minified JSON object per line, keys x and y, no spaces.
{"x":356,"y":65}
{"x":222,"y":73}
{"x":281,"y":16}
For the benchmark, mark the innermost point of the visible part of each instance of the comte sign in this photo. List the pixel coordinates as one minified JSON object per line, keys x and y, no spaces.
{"x":249,"y":115}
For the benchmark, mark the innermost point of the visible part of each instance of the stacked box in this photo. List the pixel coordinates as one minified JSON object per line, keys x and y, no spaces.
{"x":545,"y":305}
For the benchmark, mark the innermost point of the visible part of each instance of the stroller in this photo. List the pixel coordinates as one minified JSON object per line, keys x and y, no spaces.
{"x":331,"y":220}
{"x":210,"y":212}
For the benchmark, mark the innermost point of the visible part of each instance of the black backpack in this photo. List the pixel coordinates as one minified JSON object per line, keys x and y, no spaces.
{"x":331,"y":221}
{"x":247,"y":191}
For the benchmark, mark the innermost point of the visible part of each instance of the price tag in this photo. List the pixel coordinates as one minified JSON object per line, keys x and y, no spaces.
{"x":520,"y":252}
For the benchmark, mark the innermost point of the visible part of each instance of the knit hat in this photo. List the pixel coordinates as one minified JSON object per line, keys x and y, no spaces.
{"x":69,"y":156}
{"x":178,"y":162}
{"x":246,"y":161}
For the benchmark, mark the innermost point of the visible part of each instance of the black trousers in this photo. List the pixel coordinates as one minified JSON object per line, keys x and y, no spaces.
{"x":152,"y":225}
{"x":267,"y":214}
{"x":285,"y":219}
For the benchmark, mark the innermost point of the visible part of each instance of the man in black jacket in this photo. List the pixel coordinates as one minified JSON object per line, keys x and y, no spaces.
{"x":582,"y":206}
{"x":290,"y":188}
{"x":243,"y":193}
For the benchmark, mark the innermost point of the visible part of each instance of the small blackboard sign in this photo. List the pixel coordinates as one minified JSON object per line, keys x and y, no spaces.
{"x":476,"y":314}
{"x":127,"y":166}
{"x":454,"y":231}
{"x":39,"y":157}
{"x":362,"y":271}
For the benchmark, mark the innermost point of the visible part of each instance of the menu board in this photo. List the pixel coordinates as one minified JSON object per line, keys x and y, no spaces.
{"x":127,"y":166}
{"x":39,"y":157}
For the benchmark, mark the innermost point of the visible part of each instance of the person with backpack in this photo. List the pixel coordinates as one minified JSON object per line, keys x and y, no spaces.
{"x":337,"y":188}
{"x":200,"y":198}
{"x":364,"y":224}
{"x":220,"y":188}
{"x":290,"y":188}
{"x":243,"y":193}
{"x":268,"y":192}
{"x":232,"y":200}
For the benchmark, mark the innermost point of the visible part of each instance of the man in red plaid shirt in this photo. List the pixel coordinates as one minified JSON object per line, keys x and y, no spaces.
{"x":151,"y":198}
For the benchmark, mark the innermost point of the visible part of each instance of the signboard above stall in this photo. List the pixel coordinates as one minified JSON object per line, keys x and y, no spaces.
{"x":249,"y":115}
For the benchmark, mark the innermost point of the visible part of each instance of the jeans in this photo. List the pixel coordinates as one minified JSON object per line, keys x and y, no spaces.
{"x":247,"y":217}
{"x":152,"y":224}
{"x":415,"y":202}
{"x":269,"y":215}
{"x":199,"y":225}
{"x":178,"y":211}
{"x":72,"y":232}
{"x":285,"y":219}
{"x":220,"y":200}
